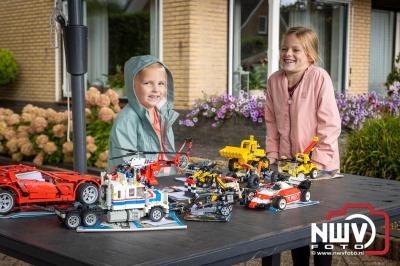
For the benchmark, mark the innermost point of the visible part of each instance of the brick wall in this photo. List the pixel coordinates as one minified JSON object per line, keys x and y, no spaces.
{"x":360,"y":25}
{"x":24,"y":30}
{"x":196,"y":47}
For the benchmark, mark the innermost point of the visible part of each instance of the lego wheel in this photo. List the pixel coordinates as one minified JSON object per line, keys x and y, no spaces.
{"x":7,"y":201}
{"x":183,"y":162}
{"x":231,"y":165}
{"x":72,"y":221}
{"x":225,"y":210}
{"x":279,"y":203}
{"x":313,"y":173}
{"x":305,"y":195}
{"x":156,"y":214}
{"x":253,"y":181}
{"x":89,"y":218}
{"x":87,"y":193}
{"x":301,"y":175}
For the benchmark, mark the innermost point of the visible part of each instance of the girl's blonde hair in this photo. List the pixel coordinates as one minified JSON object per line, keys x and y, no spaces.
{"x":308,"y":39}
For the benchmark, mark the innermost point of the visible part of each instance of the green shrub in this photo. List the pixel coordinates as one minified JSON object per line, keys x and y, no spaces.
{"x":8,"y":67}
{"x":374,"y":150}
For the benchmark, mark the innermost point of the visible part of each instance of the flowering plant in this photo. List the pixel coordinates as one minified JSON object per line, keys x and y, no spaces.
{"x":221,"y":108}
{"x":356,"y":109}
{"x":41,"y":134}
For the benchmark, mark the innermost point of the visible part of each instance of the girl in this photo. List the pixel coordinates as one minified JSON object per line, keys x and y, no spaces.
{"x":300,"y":105}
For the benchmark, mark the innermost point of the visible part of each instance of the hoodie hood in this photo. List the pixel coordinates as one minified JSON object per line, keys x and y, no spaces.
{"x":132,"y":67}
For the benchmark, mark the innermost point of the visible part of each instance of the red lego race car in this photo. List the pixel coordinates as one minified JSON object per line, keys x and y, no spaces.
{"x":280,"y":194}
{"x":23,"y":185}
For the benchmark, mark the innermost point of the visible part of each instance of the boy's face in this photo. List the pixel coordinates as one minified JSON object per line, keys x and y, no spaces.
{"x":151,"y":85}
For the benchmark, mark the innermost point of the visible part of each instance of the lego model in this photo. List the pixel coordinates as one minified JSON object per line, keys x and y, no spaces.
{"x":145,"y":170}
{"x":208,"y":207}
{"x":24,"y":185}
{"x":195,"y":167}
{"x":278,"y":195}
{"x":301,"y":165}
{"x":248,"y":157}
{"x":122,"y":199}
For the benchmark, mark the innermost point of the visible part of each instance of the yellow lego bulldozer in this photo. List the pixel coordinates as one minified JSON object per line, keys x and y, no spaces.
{"x":248,"y":156}
{"x":301,"y":165}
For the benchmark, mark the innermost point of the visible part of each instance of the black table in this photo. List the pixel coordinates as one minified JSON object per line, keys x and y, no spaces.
{"x":250,"y":233}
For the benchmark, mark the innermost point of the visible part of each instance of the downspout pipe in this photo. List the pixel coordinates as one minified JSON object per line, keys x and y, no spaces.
{"x":75,"y":43}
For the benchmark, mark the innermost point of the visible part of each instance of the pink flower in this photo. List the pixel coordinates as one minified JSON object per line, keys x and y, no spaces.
{"x":38,"y":124}
{"x":9,"y":133}
{"x":50,"y":148}
{"x":27,"y":117}
{"x":89,"y":139}
{"x":59,"y":130}
{"x":51,"y":115}
{"x":114,"y":98}
{"x":13,"y":119}
{"x":103,"y":156}
{"x":39,"y":159}
{"x":6,"y":112}
{"x":3,"y":127}
{"x":28,"y":108}
{"x":23,"y":131}
{"x":91,"y":96}
{"x":100,"y":164}
{"x":42,"y":140}
{"x":68,"y":148}
{"x":103,"y":101}
{"x":27,"y":149}
{"x":12,"y":145}
{"x":91,"y":147}
{"x":22,"y":141}
{"x":88,"y":113}
{"x":106,"y":114}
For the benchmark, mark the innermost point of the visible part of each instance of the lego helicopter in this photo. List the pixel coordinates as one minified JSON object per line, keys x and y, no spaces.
{"x":145,"y":170}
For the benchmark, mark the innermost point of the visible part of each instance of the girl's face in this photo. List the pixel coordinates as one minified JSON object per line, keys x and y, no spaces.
{"x":151,"y":86}
{"x":293,"y":56}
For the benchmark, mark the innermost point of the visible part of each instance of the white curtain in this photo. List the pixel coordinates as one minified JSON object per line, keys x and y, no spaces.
{"x":97,"y":21}
{"x":315,"y":21}
{"x":381,"y":49}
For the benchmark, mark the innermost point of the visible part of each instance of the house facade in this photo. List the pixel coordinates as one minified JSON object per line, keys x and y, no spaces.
{"x":211,"y":46}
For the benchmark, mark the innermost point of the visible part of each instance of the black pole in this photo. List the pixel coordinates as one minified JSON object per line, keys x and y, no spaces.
{"x":75,"y":40}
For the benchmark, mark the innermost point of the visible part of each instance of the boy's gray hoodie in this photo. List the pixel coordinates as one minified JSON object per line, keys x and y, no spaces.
{"x":132,"y":129}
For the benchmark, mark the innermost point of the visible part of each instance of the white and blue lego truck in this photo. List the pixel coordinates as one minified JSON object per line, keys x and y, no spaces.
{"x":121,"y":199}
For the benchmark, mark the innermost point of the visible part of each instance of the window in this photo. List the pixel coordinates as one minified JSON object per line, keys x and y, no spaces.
{"x":250,"y":45}
{"x":381,"y":49}
{"x":262,"y":25}
{"x":131,"y":192}
{"x":329,"y":20}
{"x":117,"y":30}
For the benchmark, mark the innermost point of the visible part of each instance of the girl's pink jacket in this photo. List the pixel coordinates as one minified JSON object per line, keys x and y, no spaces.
{"x":293,"y":122}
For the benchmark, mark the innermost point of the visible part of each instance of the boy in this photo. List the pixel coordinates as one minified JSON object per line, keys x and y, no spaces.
{"x":145,"y":123}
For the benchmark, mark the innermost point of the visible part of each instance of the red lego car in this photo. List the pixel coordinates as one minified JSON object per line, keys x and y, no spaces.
{"x":280,"y":194}
{"x":23,"y":185}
